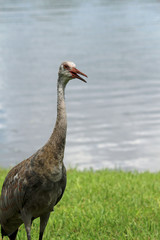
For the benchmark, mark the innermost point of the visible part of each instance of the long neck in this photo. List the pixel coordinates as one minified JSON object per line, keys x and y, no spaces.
{"x":61,"y":108}
{"x":58,"y":136}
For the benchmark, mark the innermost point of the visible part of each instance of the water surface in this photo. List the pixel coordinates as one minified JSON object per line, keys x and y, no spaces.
{"x":114,"y":119}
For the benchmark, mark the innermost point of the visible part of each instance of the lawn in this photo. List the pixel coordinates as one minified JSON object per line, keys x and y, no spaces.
{"x":104,"y":205}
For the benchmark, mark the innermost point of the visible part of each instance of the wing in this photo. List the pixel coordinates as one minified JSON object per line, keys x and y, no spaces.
{"x":13,"y":190}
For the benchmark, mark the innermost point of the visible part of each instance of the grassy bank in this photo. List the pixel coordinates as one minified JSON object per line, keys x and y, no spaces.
{"x":104,"y":205}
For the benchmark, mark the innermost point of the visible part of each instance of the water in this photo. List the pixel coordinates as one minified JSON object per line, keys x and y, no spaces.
{"x":114,"y":119}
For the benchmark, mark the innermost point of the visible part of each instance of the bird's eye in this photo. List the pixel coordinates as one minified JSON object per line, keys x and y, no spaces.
{"x":66,"y":66}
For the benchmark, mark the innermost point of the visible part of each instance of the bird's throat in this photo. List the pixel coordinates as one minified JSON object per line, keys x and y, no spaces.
{"x":61,"y":107}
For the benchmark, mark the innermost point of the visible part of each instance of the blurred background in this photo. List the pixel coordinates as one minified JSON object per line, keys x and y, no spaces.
{"x":114,"y":119}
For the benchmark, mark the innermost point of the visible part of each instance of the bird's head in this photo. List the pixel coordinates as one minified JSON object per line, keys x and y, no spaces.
{"x":68,"y":71}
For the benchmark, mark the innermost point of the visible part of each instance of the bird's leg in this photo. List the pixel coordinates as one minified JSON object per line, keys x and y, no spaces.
{"x":28,"y":229}
{"x":43,"y":222}
{"x":27,"y":222}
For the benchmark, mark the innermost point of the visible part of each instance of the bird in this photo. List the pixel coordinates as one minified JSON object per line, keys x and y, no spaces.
{"x":33,"y":187}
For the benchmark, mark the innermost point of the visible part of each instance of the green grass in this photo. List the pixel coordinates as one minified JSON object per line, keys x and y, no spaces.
{"x":104,"y":205}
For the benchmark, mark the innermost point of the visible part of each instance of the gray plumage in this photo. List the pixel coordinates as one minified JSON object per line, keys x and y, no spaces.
{"x":33,"y":187}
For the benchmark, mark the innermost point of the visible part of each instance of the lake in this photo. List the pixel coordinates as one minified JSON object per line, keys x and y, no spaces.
{"x":114,"y":119}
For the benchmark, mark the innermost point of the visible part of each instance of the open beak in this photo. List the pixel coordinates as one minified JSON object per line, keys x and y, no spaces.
{"x":74,"y":71}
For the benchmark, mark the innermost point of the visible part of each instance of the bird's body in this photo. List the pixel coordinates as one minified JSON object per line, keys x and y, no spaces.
{"x":33,"y":187}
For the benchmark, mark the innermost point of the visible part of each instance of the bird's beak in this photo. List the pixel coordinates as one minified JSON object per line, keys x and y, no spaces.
{"x":74,"y":71}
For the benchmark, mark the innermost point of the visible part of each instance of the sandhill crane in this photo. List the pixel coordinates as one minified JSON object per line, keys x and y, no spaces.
{"x":33,"y":187}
